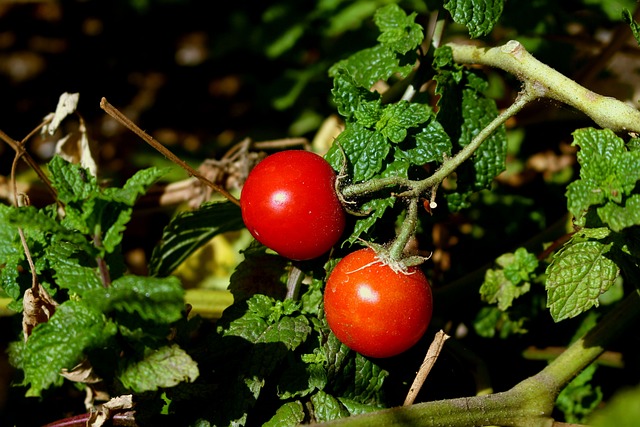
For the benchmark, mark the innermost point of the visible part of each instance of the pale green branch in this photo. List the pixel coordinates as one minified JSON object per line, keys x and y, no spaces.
{"x":512,"y":57}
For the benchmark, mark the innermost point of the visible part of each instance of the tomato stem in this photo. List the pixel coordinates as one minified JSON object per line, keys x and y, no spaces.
{"x":417,"y":188}
{"x":407,"y":230}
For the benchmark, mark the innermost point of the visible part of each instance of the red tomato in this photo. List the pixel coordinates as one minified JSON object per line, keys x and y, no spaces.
{"x":374,"y":310}
{"x":289,"y":204}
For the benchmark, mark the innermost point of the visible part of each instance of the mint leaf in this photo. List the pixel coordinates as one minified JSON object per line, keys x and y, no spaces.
{"x":398,"y":30}
{"x":157,"y":299}
{"x":160,"y":368}
{"x":135,"y":186}
{"x":190,"y":230}
{"x":327,"y":407}
{"x":479,"y":16}
{"x":365,"y":149}
{"x":260,"y":325}
{"x":400,"y":37}
{"x":491,"y":321}
{"x":579,"y":398}
{"x":621,"y":216}
{"x":290,"y":414}
{"x":72,"y":182}
{"x":430,"y":144}
{"x":73,"y":268}
{"x":397,"y":118}
{"x":60,"y":343}
{"x":608,"y":176}
{"x":369,"y":379}
{"x":577,"y":276}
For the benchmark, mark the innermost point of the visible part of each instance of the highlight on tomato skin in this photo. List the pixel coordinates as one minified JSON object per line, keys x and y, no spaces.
{"x":374,"y":310}
{"x":290,"y":205}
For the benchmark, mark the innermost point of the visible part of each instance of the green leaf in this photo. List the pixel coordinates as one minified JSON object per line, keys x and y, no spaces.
{"x":623,"y":410}
{"x":397,"y":118}
{"x":491,"y":321}
{"x":580,"y":398}
{"x":39,"y":226}
{"x":190,"y":230}
{"x":136,"y":186}
{"x":369,"y":378}
{"x":635,"y":27}
{"x":577,"y":276}
{"x":157,"y":299}
{"x":398,"y":30}
{"x":73,"y":268}
{"x":60,"y":343}
{"x":490,"y":158}
{"x":260,"y":325}
{"x":430,"y":144}
{"x":290,"y":414}
{"x":608,"y":176}
{"x":348,"y":96}
{"x":479,"y":16}
{"x":72,"y":182}
{"x":327,"y":408}
{"x":160,"y":368}
{"x":359,"y":65}
{"x":621,"y":216}
{"x":365,"y":149}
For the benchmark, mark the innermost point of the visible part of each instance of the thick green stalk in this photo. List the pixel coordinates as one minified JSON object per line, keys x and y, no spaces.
{"x":528,"y":404}
{"x":512,"y":57}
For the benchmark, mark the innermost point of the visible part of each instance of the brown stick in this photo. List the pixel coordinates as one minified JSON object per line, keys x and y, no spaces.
{"x":425,"y":368}
{"x":124,"y":120}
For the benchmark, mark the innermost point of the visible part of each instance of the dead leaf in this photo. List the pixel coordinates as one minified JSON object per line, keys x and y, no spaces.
{"x":38,"y":307}
{"x":106,"y":411}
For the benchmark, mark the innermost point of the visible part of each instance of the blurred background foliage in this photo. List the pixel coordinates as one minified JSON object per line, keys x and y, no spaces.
{"x":202,"y":75}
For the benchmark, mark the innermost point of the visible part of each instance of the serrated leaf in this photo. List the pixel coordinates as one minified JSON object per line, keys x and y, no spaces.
{"x":60,"y":343}
{"x":348,"y":95}
{"x":290,"y":414}
{"x":398,"y":30}
{"x":491,"y":321}
{"x":359,"y":65}
{"x":580,"y":398}
{"x":621,"y":216}
{"x":38,"y":225}
{"x":190,"y":230}
{"x":490,"y":158}
{"x":397,"y":118}
{"x":366,"y":150}
{"x":497,"y":288}
{"x":259,"y":326}
{"x":72,"y":182}
{"x":369,"y":378}
{"x":479,"y":16}
{"x":160,"y":300}
{"x":376,"y":209}
{"x":327,"y":408}
{"x":136,"y":186}
{"x":608,"y":173}
{"x":160,"y":368}
{"x":73,"y":268}
{"x":431,"y":144}
{"x":577,"y":276}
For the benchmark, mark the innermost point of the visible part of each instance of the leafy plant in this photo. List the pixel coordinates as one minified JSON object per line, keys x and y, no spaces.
{"x":424,"y":143}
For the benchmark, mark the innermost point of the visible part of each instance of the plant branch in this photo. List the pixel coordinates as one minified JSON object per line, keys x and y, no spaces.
{"x":116,"y":114}
{"x":416,"y":188}
{"x":528,"y":404}
{"x":512,"y":57}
